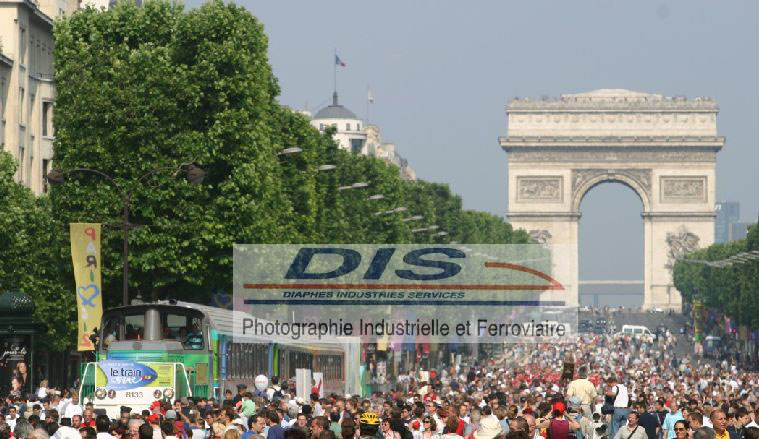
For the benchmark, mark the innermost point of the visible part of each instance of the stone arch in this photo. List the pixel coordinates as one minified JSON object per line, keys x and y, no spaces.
{"x":639,"y":180}
{"x":664,"y":149}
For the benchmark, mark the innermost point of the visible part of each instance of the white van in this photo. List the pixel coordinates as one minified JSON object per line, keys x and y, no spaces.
{"x":637,"y":332}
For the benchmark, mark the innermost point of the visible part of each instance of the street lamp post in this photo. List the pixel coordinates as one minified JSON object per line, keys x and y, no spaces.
{"x":193,"y":173}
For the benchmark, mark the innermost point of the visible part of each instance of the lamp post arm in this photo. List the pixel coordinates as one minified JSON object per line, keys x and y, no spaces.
{"x":176,"y":169}
{"x":125,"y":197}
{"x":100,"y":173}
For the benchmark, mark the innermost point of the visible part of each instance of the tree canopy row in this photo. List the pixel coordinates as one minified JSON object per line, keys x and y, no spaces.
{"x":151,"y":87}
{"x":731,"y":290}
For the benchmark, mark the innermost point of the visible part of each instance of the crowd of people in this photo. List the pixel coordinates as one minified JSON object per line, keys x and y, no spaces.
{"x":596,"y":387}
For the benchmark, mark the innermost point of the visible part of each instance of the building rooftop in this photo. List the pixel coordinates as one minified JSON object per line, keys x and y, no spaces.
{"x":614,"y":100}
{"x":334,"y":111}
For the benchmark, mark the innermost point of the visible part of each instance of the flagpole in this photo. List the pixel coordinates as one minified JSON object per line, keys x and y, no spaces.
{"x":368,"y":92}
{"x":334,"y":71}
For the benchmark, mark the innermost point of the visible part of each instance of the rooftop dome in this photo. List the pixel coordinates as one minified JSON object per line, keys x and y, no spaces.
{"x":16,"y":303}
{"x":335,"y":111}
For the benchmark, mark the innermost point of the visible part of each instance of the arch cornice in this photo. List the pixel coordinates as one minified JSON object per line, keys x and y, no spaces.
{"x":639,"y":180}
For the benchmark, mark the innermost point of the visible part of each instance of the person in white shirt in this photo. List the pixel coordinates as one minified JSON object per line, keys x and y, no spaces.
{"x":11,"y":418}
{"x":195,"y":427}
{"x":157,"y":433}
{"x":62,"y":403}
{"x":42,"y":391}
{"x":708,"y":422}
{"x":65,"y":431}
{"x":707,"y":411}
{"x":37,"y":410}
{"x":73,"y":407}
{"x":317,"y":407}
{"x":274,"y":389}
{"x":621,"y":401}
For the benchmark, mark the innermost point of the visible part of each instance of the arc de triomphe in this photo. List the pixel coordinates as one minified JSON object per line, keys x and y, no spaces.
{"x":663,"y":148}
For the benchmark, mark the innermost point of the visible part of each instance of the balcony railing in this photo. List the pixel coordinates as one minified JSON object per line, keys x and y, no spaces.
{"x":44,"y":76}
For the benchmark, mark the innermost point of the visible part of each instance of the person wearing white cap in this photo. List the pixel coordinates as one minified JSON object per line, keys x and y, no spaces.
{"x":240,"y":423}
{"x":489,"y":428}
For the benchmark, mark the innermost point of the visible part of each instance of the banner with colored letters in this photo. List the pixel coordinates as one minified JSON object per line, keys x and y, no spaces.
{"x":85,"y":254}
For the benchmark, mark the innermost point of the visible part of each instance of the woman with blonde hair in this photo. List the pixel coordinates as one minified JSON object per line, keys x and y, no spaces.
{"x":218,"y":430}
{"x":42,"y":391}
{"x":233,"y":433}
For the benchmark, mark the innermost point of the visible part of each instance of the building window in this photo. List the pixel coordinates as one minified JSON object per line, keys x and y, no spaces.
{"x":22,"y":113}
{"x":20,"y":162}
{"x":358,"y":127}
{"x":43,"y":61}
{"x":47,"y":119}
{"x":38,"y":54}
{"x":50,"y":62}
{"x":33,"y":55}
{"x":2,"y":97}
{"x":32,"y":130}
{"x":45,"y":166}
{"x":30,"y":162}
{"x":357,"y":145}
{"x":347,"y":127}
{"x":22,"y":47}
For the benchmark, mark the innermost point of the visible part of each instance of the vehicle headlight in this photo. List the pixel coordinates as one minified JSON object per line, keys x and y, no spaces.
{"x":168,"y":393}
{"x":100,"y":393}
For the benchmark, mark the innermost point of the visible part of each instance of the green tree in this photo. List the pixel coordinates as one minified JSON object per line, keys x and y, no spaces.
{"x":145,"y":88}
{"x":730,"y":289}
{"x":31,"y":256}
{"x":141,"y":88}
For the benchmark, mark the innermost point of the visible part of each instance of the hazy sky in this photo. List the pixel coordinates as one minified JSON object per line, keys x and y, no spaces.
{"x":442,"y":72}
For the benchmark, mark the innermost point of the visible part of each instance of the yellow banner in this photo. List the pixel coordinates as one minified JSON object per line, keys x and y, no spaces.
{"x":85,"y":254}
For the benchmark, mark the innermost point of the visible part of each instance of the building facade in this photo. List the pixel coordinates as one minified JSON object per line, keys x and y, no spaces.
{"x":349,"y":130}
{"x":27,"y":90}
{"x":387,"y":152}
{"x":726,"y":225}
{"x":352,"y":134}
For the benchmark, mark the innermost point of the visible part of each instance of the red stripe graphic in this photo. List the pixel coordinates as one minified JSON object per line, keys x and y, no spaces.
{"x":555,"y":285}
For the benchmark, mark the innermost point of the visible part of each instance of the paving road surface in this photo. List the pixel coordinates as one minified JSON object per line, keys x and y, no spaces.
{"x":651,"y":320}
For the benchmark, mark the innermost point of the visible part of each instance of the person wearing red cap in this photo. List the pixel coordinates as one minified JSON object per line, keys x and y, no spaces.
{"x":155,"y":407}
{"x":154,"y":421}
{"x":558,"y":425}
